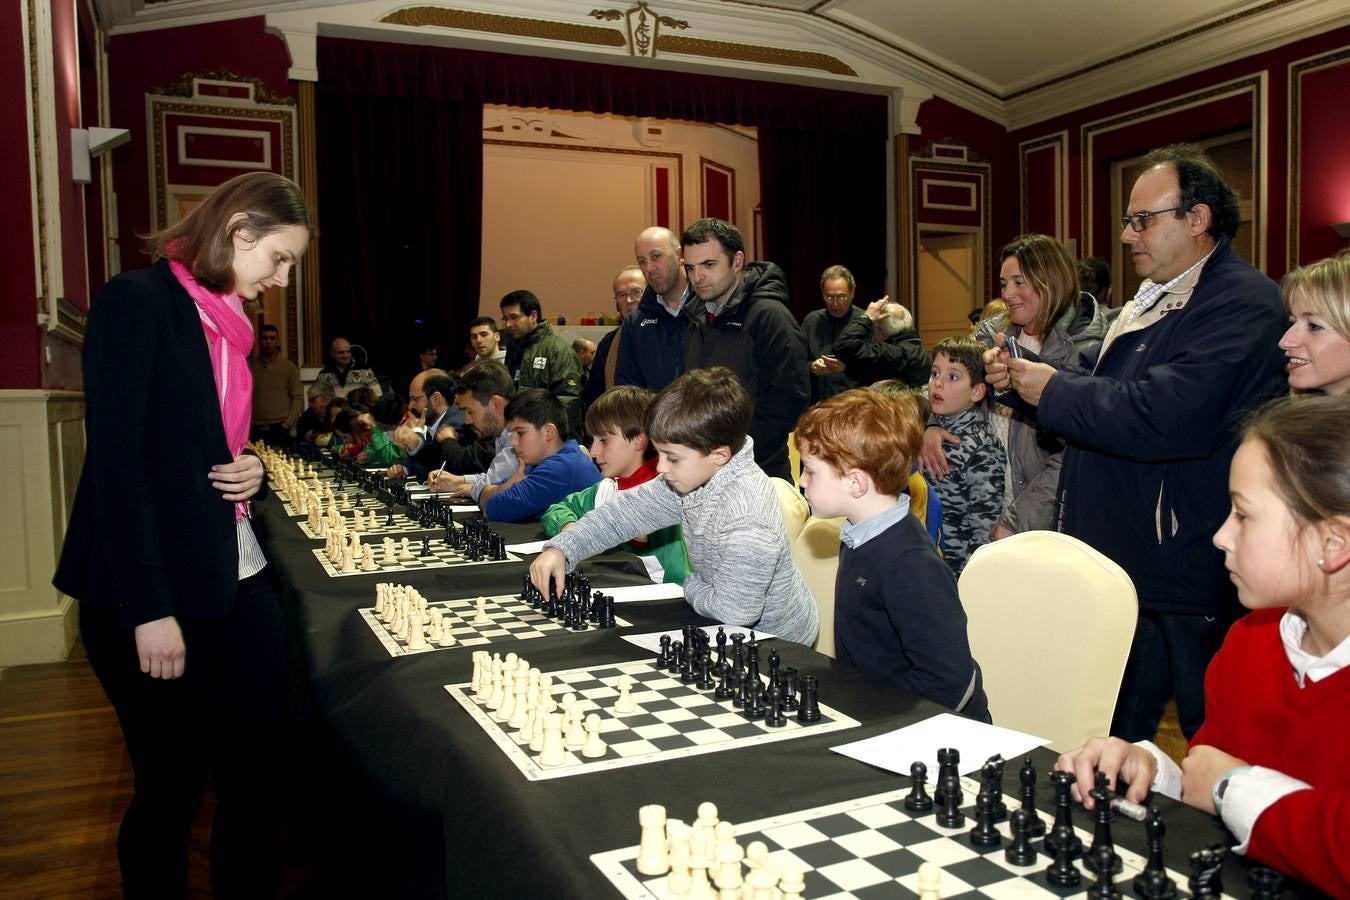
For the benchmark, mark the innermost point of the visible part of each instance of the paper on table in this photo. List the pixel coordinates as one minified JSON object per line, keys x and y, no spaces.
{"x":652,"y":640}
{"x":531,"y":547}
{"x":896,"y":750}
{"x":640,"y":592}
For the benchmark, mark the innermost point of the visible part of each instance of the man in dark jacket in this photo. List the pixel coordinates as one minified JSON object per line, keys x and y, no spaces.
{"x":821,"y":326}
{"x":1152,"y":429}
{"x":746,"y":326}
{"x":651,"y":343}
{"x":896,"y":353}
{"x":629,"y":286}
{"x":539,"y":358}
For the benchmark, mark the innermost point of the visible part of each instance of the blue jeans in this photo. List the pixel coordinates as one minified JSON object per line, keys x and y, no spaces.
{"x":1168,"y":658}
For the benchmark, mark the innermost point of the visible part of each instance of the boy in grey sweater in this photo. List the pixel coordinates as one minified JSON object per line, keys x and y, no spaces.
{"x":743,"y":573}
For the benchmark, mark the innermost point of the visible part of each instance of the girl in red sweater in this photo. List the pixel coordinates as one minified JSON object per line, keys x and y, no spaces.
{"x":1271,"y":759}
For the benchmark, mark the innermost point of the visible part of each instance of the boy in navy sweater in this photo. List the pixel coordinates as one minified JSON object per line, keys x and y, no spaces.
{"x":896,"y":611}
{"x":550,"y":466}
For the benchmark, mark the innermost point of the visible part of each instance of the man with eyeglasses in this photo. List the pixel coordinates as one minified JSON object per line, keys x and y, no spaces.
{"x":537,"y":357}
{"x":629,"y":285}
{"x":1152,"y":426}
{"x":820,"y":327}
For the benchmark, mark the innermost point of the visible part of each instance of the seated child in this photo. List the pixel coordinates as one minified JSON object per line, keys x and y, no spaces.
{"x":1270,"y":758}
{"x":550,"y":467}
{"x":972,"y":492}
{"x":896,"y":611}
{"x":742,"y":569}
{"x":350,"y":433}
{"x":381,"y":421}
{"x":327,"y":437}
{"x":923,"y":500}
{"x":626,"y":458}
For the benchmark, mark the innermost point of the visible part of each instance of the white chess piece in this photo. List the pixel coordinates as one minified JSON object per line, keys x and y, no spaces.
{"x":576,"y":733}
{"x":728,"y":855}
{"x":368,"y":560}
{"x":930,"y":881}
{"x":699,"y":888}
{"x":553,"y":753}
{"x":390,"y":552}
{"x":476,"y":682}
{"x":653,"y":855}
{"x":405,"y":550}
{"x":447,"y":639}
{"x":416,"y":637}
{"x":480,"y":616}
{"x":521,"y":708}
{"x":679,"y":879}
{"x":761,"y":884}
{"x":624,"y":704}
{"x":792,"y":883}
{"x":595,"y":747}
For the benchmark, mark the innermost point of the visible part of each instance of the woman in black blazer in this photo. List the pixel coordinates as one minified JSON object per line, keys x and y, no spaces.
{"x":182,"y":626}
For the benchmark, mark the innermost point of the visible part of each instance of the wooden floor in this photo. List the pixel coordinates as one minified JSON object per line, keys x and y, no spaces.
{"x":65,"y":781}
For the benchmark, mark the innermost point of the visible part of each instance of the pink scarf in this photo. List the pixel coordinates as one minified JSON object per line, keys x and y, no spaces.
{"x":229,"y":340}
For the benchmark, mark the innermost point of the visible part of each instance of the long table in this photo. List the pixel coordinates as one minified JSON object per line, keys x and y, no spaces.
{"x":406,"y":796}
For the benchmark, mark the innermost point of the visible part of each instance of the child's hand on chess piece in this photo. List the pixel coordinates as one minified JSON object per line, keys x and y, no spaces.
{"x":549,"y":567}
{"x":1116,"y":759}
{"x":1202,"y":767}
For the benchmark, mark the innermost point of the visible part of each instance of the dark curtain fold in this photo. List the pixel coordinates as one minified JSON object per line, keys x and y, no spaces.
{"x":824,"y":202}
{"x":400,"y":160}
{"x":401,"y":182}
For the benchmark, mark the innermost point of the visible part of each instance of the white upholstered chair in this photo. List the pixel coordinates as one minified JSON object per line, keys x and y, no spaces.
{"x":794,"y":506}
{"x":816,"y":552}
{"x":1050,"y":623}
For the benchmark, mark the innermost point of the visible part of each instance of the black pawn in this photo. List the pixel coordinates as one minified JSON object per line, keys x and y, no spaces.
{"x":1062,"y":872}
{"x":705,"y":678}
{"x":775,"y":717}
{"x":918,"y":800}
{"x":1153,"y":882}
{"x":676,"y":658}
{"x":426,"y":545}
{"x":724,"y":690}
{"x":809,"y":711}
{"x":789,"y":689}
{"x":1101,"y":828}
{"x":736,"y":679}
{"x":663,"y":658}
{"x":1266,"y":884}
{"x":985,"y":833}
{"x":1104,"y":860}
{"x":950,"y":816}
{"x":1027,"y":776}
{"x":1020,"y":852}
{"x":754,"y":701}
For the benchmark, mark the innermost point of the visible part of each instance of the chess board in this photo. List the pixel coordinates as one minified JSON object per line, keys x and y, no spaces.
{"x":402,"y":525}
{"x":673,"y":720}
{"x":512,"y":619}
{"x":872,"y":848}
{"x":442,"y":557}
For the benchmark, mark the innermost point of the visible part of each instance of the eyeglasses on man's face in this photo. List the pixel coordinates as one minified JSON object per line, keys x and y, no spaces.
{"x":1139,"y":221}
{"x":628,"y":295}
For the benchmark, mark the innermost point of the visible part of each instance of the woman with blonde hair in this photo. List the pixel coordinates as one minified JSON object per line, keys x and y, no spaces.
{"x":1048,"y":315}
{"x":1317,"y":344}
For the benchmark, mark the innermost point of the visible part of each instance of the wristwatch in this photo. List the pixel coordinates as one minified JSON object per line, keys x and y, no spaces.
{"x":1221,"y":786}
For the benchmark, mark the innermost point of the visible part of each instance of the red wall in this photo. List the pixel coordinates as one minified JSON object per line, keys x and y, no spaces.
{"x":140,"y":62}
{"x":18,"y":304}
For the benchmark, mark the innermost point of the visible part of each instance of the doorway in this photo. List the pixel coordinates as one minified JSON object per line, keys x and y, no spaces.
{"x":950,"y":280}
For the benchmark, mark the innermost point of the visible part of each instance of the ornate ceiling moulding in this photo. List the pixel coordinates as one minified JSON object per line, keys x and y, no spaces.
{"x":774,"y":56}
{"x":441,"y":17}
{"x":216,"y":85}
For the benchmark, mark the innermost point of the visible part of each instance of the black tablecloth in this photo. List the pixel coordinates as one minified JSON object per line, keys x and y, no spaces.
{"x":407,"y":796}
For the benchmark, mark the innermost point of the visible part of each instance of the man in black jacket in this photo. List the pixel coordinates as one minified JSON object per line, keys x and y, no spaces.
{"x":651,"y":342}
{"x":897,"y":351}
{"x":747,"y":326}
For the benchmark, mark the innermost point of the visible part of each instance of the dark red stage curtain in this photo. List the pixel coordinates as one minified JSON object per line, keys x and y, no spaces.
{"x":822,"y":156}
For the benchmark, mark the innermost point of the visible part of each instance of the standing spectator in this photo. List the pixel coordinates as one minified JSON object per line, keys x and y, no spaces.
{"x":314,"y":420}
{"x":1152,"y":429}
{"x":629,"y":286}
{"x":485,"y":341}
{"x":746,"y":326}
{"x":278,"y":396}
{"x":651,"y":345}
{"x":884,"y":346}
{"x":342,"y":375}
{"x":821,"y":327}
{"x":539,"y":358}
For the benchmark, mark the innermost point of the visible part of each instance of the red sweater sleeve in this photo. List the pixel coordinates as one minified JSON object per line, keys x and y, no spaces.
{"x":1307,"y":835}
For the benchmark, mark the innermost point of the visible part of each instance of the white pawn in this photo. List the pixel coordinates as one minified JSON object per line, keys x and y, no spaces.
{"x":576,"y":733}
{"x":653,"y":855}
{"x":480,"y":615}
{"x":930,"y":881}
{"x":434,"y":630}
{"x":624,"y":704}
{"x":707,"y":821}
{"x":728,"y":855}
{"x":760,"y":884}
{"x":552,"y":753}
{"x":405,"y":550}
{"x":447,"y":639}
{"x":595,"y":747}
{"x":792,"y":883}
{"x":757,"y":855}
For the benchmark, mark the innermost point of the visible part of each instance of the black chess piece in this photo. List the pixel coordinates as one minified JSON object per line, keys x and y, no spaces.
{"x":949,"y":759}
{"x":1206,"y":872}
{"x":737,"y":681}
{"x":1153,"y":882}
{"x":991,"y":777}
{"x":426,"y":545}
{"x":789,"y":676}
{"x":688,"y":674}
{"x":705,"y":678}
{"x":1102,"y":795}
{"x":809,"y":711}
{"x":389,"y":516}
{"x":1266,"y":884}
{"x":985,"y":833}
{"x":1063,"y":782}
{"x":775,"y":718}
{"x":721,"y":644}
{"x":950,"y":815}
{"x":676,"y":658}
{"x":608,"y":620}
{"x":1062,"y":872}
{"x":1020,"y":852}
{"x":663,"y":657}
{"x":1104,"y":862}
{"x":754,"y":701}
{"x":724,"y":689}
{"x":1027,"y":776}
{"x":918,"y":800}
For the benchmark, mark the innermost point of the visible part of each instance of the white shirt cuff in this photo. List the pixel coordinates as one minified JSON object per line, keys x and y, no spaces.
{"x":1168,"y":779}
{"x":477,"y":482}
{"x":1249,"y":794}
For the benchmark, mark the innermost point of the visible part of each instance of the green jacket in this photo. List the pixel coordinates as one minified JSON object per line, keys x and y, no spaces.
{"x":544,"y":360}
{"x":667,"y":544}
